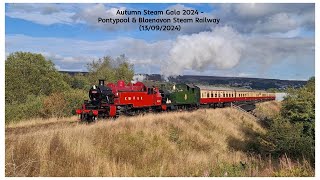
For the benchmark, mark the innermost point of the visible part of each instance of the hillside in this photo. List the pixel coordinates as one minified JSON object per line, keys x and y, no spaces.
{"x":244,"y":82}
{"x":206,"y":142}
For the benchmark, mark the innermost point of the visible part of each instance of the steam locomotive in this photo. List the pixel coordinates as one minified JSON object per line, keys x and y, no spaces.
{"x":113,"y":100}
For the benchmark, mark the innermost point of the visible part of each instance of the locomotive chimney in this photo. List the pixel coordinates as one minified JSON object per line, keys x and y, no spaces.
{"x":101,"y":82}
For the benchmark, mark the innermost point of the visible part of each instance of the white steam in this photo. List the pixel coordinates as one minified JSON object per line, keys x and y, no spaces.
{"x":220,"y":48}
{"x":138,"y":77}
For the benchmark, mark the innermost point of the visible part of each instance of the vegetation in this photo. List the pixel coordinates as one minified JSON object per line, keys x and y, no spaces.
{"x":221,"y":142}
{"x":110,"y":69}
{"x":30,"y":74}
{"x":199,"y":143}
{"x":34,"y":87}
{"x":292,"y":132}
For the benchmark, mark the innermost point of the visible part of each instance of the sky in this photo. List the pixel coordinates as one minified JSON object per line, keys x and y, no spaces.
{"x":251,"y":40}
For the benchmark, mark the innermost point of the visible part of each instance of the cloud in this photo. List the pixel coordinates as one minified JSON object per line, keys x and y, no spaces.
{"x":189,"y":28}
{"x":62,"y":51}
{"x":45,"y":14}
{"x":220,"y":51}
{"x":274,"y":50}
{"x":90,"y":14}
{"x":225,"y":49}
{"x":262,"y":18}
{"x":267,"y":18}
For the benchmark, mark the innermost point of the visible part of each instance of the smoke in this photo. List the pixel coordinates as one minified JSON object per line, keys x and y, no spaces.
{"x":220,"y":48}
{"x":138,"y":77}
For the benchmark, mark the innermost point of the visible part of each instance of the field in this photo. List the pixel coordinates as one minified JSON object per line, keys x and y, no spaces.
{"x":206,"y":142}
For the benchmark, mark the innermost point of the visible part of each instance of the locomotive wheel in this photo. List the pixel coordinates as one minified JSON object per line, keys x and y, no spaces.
{"x":117,"y":113}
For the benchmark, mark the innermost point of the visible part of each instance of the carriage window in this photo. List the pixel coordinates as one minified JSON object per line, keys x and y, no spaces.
{"x":223,"y":95}
{"x":211,"y":94}
{"x":215,"y":95}
{"x":207,"y":94}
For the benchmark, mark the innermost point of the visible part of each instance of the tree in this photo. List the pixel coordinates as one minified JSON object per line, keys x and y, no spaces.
{"x":299,"y":107}
{"x":80,"y":81}
{"x":30,"y":74}
{"x":110,"y":69}
{"x":293,"y":132}
{"x":124,"y":70}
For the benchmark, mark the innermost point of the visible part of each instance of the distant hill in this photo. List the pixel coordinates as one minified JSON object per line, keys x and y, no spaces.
{"x":72,"y":73}
{"x":250,"y":83}
{"x":244,"y":82}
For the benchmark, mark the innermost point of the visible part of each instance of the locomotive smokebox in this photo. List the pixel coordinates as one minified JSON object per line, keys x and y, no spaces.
{"x":101,"y":82}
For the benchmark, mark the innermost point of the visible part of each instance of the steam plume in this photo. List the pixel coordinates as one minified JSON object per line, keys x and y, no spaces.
{"x":220,"y":48}
{"x":138,"y":77}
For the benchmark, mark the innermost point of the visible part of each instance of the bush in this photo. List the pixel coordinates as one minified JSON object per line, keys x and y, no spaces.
{"x":54,"y":105}
{"x":63,"y":104}
{"x":293,"y":132}
{"x":74,"y":99}
{"x":33,"y":107}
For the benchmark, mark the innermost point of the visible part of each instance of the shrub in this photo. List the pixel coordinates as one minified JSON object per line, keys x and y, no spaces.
{"x":293,"y":131}
{"x":33,"y":107}
{"x":63,"y":104}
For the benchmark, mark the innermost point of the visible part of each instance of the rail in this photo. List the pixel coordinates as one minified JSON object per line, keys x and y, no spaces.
{"x":240,"y":109}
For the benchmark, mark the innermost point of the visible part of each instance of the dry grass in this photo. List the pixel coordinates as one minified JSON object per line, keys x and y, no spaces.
{"x":267,"y":110}
{"x":39,"y":121}
{"x":207,"y":142}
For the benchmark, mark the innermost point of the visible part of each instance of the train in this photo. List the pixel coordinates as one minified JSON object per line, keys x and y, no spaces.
{"x":115,"y":99}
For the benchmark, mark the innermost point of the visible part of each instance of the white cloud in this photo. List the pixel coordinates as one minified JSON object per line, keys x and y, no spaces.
{"x":268,"y":18}
{"x":245,"y":17}
{"x":281,"y":22}
{"x":249,"y":10}
{"x":45,"y":14}
{"x":90,"y":14}
{"x":218,"y":52}
{"x":69,"y":53}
